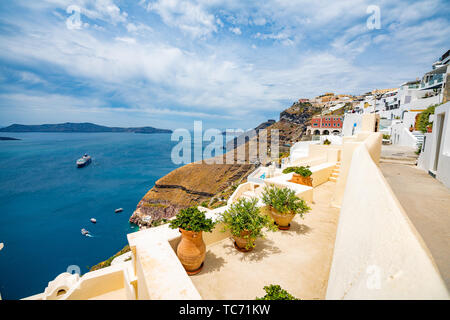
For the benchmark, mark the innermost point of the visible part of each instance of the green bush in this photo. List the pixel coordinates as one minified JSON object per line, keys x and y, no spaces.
{"x":326,"y":142}
{"x":284,"y":200}
{"x":386,"y":136}
{"x":419,"y":149}
{"x":192,"y":219}
{"x":244,"y":215}
{"x":275,"y":292}
{"x":159,"y":222}
{"x":107,"y":262}
{"x":423,"y":120}
{"x":204,"y":204}
{"x":303,"y":171}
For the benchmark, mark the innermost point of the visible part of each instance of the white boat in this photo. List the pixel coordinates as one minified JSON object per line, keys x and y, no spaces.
{"x":118,"y":210}
{"x":93,"y":220}
{"x":84,"y":232}
{"x":84,"y":161}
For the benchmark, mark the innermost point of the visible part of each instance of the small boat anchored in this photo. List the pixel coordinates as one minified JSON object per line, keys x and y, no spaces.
{"x":93,"y":220}
{"x":84,"y":161}
{"x":118,"y":210}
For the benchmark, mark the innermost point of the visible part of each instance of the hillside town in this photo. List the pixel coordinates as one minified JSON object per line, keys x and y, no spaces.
{"x":372,"y":173}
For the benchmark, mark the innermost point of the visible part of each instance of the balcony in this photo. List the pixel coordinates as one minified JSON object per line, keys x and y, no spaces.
{"x":436,"y":80}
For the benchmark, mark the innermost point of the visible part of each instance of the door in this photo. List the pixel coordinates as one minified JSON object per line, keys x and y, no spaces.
{"x":440,"y":126}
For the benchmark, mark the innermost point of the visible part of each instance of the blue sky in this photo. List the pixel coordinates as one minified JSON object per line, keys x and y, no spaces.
{"x":230,"y":63}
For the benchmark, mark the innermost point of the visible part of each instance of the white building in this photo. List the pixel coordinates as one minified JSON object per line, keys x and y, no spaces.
{"x":435,"y":155}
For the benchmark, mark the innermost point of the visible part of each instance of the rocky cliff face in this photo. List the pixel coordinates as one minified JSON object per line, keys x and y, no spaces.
{"x":212,"y":184}
{"x":299,"y":114}
{"x":189,"y":185}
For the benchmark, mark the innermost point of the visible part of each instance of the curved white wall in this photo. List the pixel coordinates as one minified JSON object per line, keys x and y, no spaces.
{"x":378,"y":253}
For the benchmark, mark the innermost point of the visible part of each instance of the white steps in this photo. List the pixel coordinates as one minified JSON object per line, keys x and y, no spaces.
{"x":335,"y":173}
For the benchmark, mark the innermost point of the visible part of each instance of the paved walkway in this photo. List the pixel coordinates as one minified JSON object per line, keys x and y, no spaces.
{"x":298,"y":259}
{"x":427,"y":203}
{"x":398,"y":154}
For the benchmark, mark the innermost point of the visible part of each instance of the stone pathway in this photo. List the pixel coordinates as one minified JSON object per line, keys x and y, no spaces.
{"x":398,"y":154}
{"x":427,"y":204}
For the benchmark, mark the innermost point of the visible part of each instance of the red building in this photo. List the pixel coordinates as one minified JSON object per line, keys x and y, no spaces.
{"x":326,"y":124}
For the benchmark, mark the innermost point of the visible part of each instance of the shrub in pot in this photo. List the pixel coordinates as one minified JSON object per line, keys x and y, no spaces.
{"x":275,"y":292}
{"x":246,"y":223}
{"x":192,"y":250}
{"x":302,"y":175}
{"x":326,"y":142}
{"x":283,"y":205}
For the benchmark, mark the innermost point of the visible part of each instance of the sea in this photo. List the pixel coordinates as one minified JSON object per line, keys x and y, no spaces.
{"x":45,"y":201}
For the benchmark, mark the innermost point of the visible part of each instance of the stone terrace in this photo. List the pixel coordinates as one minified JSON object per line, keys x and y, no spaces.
{"x":299,"y":259}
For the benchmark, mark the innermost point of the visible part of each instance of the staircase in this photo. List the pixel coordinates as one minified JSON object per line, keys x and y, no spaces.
{"x":335,"y":172}
{"x":419,"y":136}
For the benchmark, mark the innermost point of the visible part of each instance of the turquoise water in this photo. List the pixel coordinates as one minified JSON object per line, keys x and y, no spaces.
{"x":45,"y":201}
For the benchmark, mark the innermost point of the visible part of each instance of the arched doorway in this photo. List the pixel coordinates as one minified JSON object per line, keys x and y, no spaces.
{"x":325,"y":132}
{"x":316,"y":132}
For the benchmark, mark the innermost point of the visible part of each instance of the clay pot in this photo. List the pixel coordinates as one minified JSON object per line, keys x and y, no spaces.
{"x":296,"y":178}
{"x":283,"y":221}
{"x":241,"y":242}
{"x":429,"y":129}
{"x":191,"y":251}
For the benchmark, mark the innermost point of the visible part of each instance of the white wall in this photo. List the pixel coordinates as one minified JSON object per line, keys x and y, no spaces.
{"x":300,"y":149}
{"x":428,"y":157}
{"x":443,"y":169}
{"x":409,"y":119}
{"x":378,"y":254}
{"x":424,"y":158}
{"x":349,"y":120}
{"x":402,"y":137}
{"x":422,"y":103}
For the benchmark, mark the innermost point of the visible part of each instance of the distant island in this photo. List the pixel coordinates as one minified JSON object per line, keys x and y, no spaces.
{"x":78,"y":127}
{"x":8,"y":138}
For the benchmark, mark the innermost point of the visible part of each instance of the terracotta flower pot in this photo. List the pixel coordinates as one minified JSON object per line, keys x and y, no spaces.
{"x":283,"y":221}
{"x":296,"y":178}
{"x":191,"y":251}
{"x":241,"y":242}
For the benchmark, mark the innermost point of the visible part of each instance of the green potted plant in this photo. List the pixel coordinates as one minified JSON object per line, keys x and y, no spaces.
{"x":302,"y":175}
{"x":192,"y":250}
{"x":246,"y":223}
{"x":326,"y":142}
{"x":275,"y":292}
{"x":283,"y":205}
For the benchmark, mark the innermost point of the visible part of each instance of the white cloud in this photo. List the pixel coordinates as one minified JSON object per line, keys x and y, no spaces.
{"x":31,"y":78}
{"x":137,"y":28}
{"x":190,"y":17}
{"x":126,"y":40}
{"x":236,"y":30}
{"x":211,"y":73}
